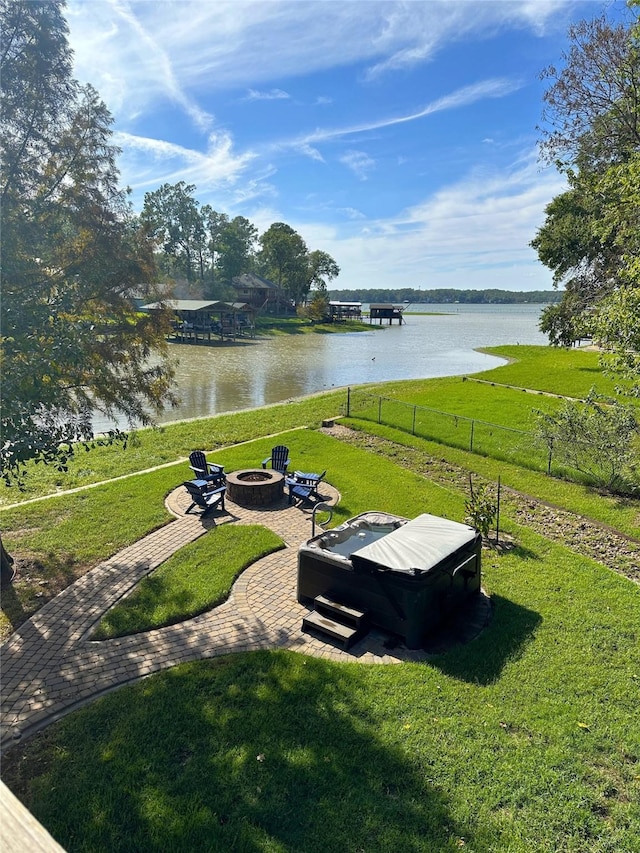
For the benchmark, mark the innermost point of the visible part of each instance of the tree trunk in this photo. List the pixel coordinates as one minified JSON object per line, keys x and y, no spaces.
{"x":7,"y":571}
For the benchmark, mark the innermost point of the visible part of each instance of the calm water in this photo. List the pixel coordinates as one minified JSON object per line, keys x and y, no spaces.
{"x":229,"y":377}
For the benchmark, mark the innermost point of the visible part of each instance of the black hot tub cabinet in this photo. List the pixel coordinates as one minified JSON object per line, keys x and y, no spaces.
{"x":408,"y":575}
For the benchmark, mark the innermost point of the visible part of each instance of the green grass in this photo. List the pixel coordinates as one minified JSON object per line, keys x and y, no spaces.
{"x":166,"y":444}
{"x":196,"y":579}
{"x":571,"y":372}
{"x":274,"y":326}
{"x":522,"y":740}
{"x":560,"y":371}
{"x":68,"y":534}
{"x":622,"y":514}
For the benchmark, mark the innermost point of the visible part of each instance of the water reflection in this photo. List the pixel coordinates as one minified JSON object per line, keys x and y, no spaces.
{"x":227,"y":377}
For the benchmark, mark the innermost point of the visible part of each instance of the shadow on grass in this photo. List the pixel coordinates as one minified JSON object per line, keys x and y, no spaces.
{"x":38,"y":579}
{"x":12,"y":606}
{"x":139,"y":611}
{"x":269,"y":751}
{"x":482,"y":661}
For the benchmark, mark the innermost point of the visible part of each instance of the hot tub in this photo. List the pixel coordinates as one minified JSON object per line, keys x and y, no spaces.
{"x":407,"y":575}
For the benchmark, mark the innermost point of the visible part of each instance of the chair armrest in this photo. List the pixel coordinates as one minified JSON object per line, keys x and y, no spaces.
{"x":266,"y":461}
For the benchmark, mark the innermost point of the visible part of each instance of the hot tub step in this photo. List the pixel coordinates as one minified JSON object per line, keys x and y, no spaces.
{"x":344,"y":635}
{"x":341,"y":612}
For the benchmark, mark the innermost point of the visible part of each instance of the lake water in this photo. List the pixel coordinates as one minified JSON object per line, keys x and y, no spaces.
{"x":229,"y":377}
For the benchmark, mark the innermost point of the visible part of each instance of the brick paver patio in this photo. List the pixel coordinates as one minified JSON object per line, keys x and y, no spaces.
{"x":50,"y":666}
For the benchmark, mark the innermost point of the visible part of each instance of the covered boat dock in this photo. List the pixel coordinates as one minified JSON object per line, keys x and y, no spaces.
{"x":198,"y":320}
{"x":341,"y":311}
{"x":385,"y":312}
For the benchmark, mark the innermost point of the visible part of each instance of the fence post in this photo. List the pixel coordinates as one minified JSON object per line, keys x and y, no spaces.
{"x":413,"y":425}
{"x":471,"y":437}
{"x":348,"y":402}
{"x":379,"y":410}
{"x":549,"y":462}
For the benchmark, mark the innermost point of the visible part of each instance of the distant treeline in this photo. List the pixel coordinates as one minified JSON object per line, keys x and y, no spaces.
{"x":447,"y":295}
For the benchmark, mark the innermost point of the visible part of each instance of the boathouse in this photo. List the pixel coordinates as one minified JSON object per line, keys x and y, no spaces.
{"x":385,"y":312}
{"x":341,"y":311}
{"x":198,"y":320}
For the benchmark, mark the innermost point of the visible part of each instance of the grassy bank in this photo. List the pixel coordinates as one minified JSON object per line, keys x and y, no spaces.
{"x":570,"y":372}
{"x":520,"y":741}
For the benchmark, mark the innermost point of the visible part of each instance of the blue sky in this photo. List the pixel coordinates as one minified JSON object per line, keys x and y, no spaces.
{"x":400,"y":137}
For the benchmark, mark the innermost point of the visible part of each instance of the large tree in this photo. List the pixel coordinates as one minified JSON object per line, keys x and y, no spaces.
{"x":591,"y":131}
{"x":284,"y":257}
{"x":237,"y":248}
{"x":72,"y":341}
{"x":173,"y":218}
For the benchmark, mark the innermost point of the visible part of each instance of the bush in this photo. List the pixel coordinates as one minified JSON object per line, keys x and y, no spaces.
{"x":599,"y":438}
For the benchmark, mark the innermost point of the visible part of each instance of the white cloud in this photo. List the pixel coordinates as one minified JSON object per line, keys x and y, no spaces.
{"x":135,"y":52}
{"x":271,"y":95}
{"x":466,"y":95}
{"x":474,"y":233}
{"x":151,"y":162}
{"x":359,"y":162}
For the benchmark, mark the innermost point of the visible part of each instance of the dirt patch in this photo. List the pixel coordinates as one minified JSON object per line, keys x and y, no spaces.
{"x":583,"y":536}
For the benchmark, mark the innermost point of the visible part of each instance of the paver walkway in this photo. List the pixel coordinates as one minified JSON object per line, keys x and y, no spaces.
{"x":50,"y":666}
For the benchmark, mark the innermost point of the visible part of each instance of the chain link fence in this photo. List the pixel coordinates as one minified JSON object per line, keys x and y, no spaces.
{"x":476,"y":436}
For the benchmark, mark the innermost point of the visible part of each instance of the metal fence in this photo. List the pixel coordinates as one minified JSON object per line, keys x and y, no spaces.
{"x":476,"y":436}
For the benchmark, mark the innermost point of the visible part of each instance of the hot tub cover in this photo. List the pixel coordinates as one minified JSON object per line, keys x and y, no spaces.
{"x":417,"y":547}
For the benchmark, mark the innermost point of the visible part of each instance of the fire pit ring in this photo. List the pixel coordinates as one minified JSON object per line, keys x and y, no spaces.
{"x":255,"y":487}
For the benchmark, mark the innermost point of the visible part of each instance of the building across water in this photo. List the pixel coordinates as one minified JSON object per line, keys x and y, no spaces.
{"x":386,"y":312}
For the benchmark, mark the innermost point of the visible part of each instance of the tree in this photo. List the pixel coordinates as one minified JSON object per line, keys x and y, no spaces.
{"x":214,"y":224}
{"x":590,"y":238}
{"x":237,"y":248}
{"x":72,"y":341}
{"x":599,"y":438}
{"x":283,"y":258}
{"x":322,"y":269}
{"x":591,"y":115}
{"x":174,"y":221}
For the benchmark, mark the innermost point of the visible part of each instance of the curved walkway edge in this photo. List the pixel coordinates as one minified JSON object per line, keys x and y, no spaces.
{"x":50,"y":666}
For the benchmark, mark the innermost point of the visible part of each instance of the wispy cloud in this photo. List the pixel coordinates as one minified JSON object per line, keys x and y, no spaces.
{"x":492,"y":88}
{"x":271,"y":95}
{"x":477,"y":230}
{"x":147,"y":161}
{"x":359,"y":162}
{"x":126,"y":33}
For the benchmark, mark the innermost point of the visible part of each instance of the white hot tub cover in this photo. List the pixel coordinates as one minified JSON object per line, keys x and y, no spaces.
{"x":417,"y":547}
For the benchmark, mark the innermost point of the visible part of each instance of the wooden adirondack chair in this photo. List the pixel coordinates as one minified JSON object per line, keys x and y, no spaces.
{"x":204,"y":470}
{"x":207,"y":499}
{"x":304,"y":486}
{"x":279,"y":459}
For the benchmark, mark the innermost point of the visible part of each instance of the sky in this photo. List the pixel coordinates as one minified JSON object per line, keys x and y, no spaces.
{"x":399,"y":137}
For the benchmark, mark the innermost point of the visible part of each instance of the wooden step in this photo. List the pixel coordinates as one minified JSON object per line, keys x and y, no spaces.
{"x":344,"y":635}
{"x":341,"y":612}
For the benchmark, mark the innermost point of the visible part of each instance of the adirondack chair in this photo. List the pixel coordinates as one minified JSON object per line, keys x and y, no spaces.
{"x":304,"y":486}
{"x":204,"y":470}
{"x":279,"y":459}
{"x":204,"y":497}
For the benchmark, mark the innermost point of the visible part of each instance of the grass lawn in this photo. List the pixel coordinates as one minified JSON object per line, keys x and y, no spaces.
{"x":525,"y":739}
{"x":522,"y":740}
{"x":194,"y":580}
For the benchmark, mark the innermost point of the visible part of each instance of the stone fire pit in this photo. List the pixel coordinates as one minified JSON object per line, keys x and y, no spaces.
{"x":255,"y":487}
